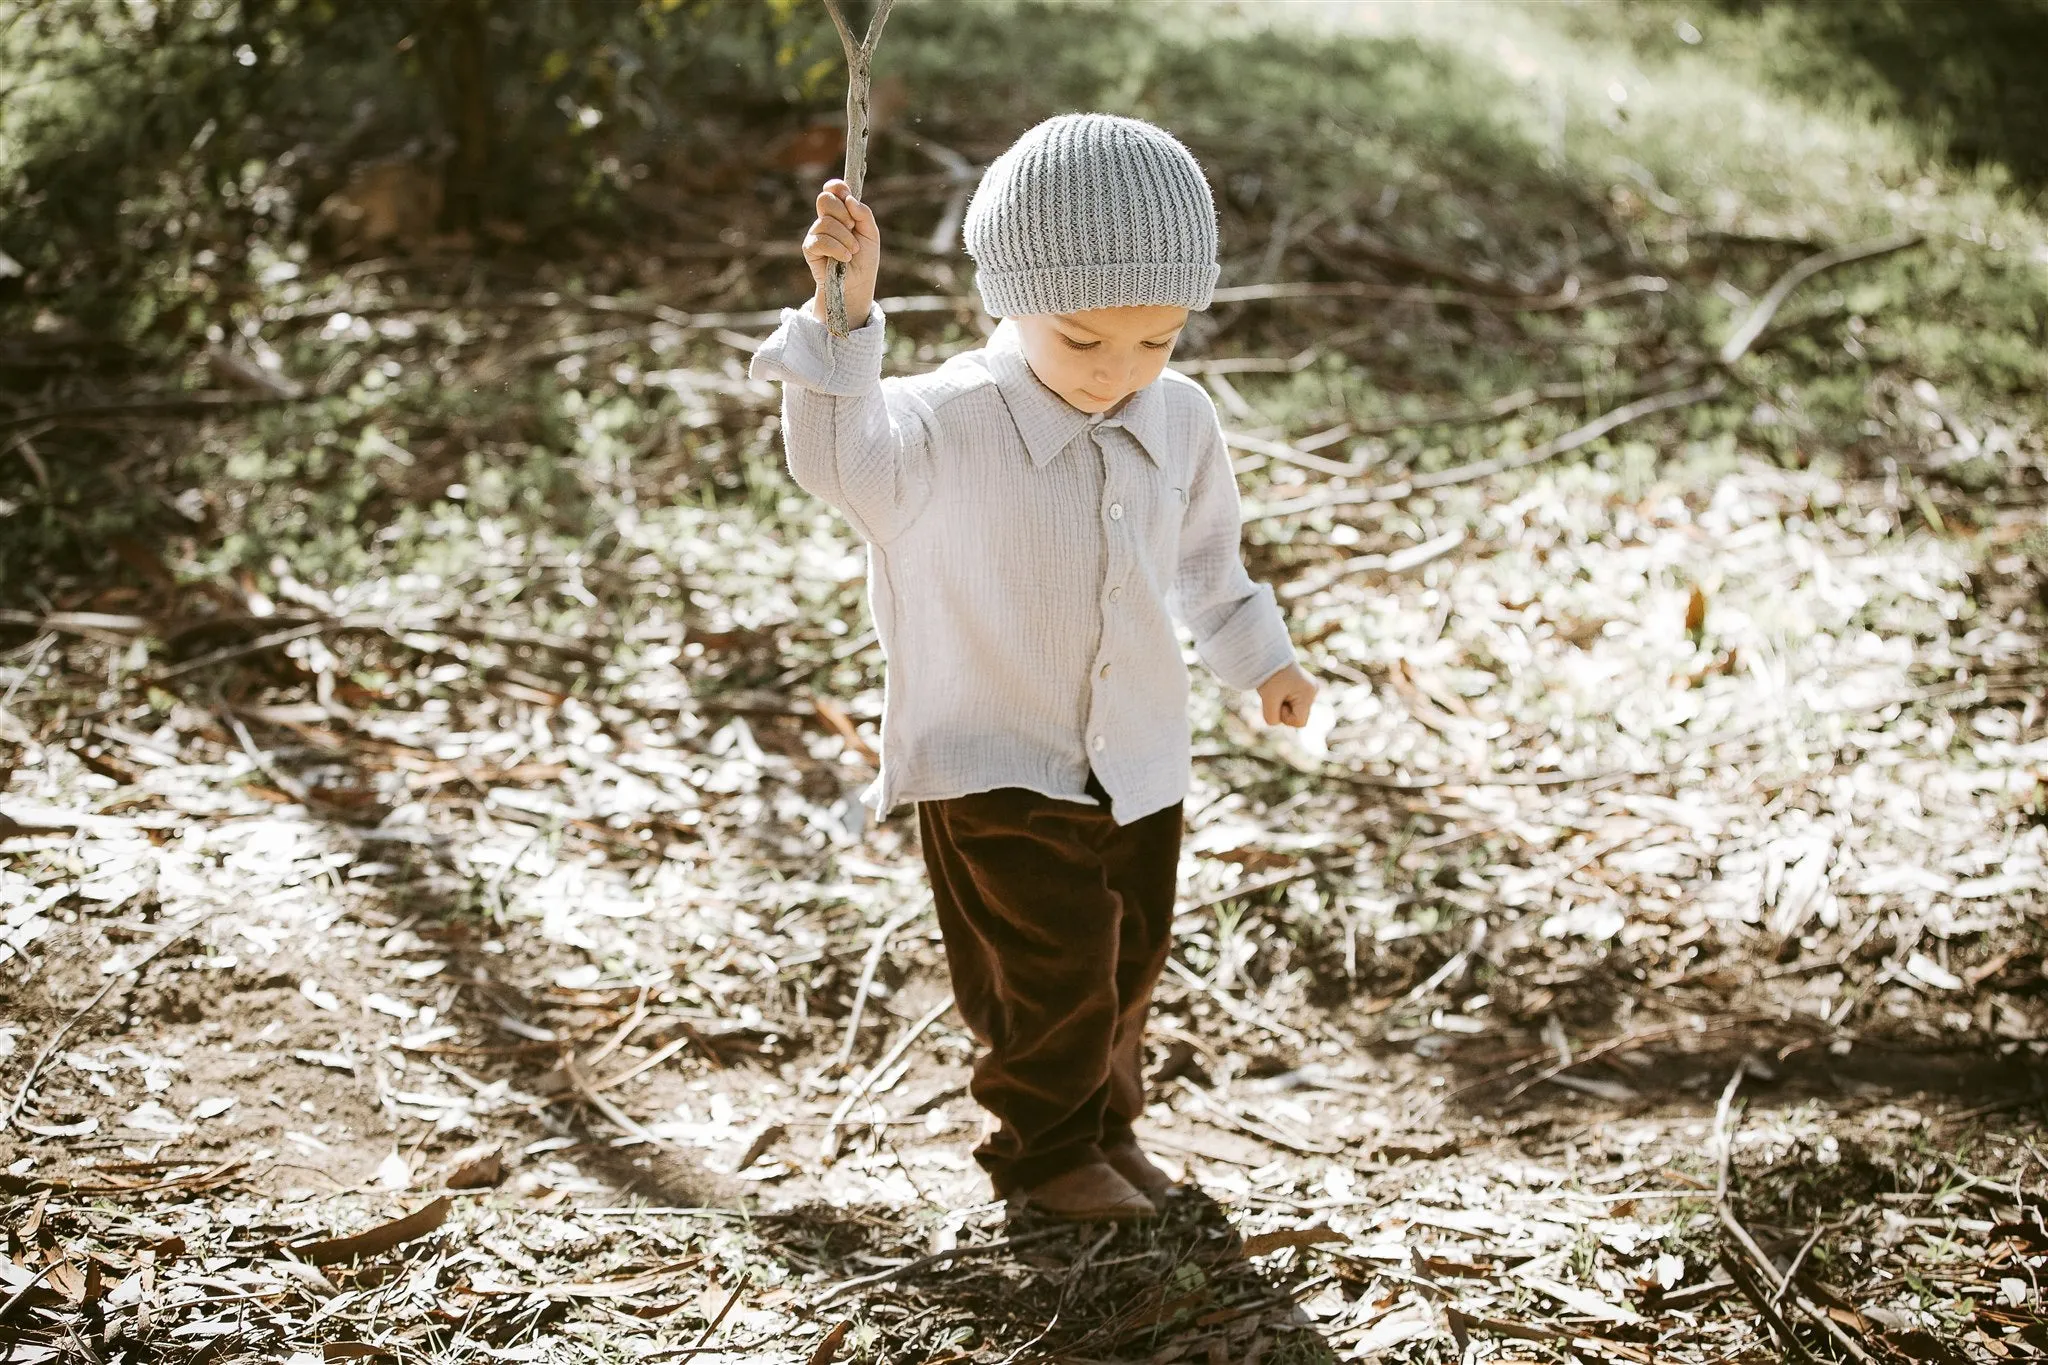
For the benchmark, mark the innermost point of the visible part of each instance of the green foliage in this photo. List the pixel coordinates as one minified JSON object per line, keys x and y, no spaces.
{"x":146,"y":146}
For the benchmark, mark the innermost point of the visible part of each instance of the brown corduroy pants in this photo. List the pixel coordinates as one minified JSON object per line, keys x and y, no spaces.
{"x":1057,"y":922}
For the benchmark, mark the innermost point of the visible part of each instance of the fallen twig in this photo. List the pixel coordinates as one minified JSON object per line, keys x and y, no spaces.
{"x":588,"y":1094}
{"x":828,"y":1141}
{"x":20,"y":1295}
{"x":1278,"y":879}
{"x":1765,"y":1306}
{"x":1599,"y":1050}
{"x":876,"y":952}
{"x":1476,"y":295}
{"x":49,"y":1049}
{"x":198,"y":404}
{"x":712,"y":1326}
{"x":1400,"y":561}
{"x":1244,"y":1014}
{"x":1742,"y":338}
{"x":1481,"y":469}
{"x":1505,"y":406}
{"x":1572,"y":440}
{"x":1766,"y":1274}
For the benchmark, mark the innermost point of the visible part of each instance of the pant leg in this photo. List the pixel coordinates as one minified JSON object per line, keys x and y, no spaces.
{"x":1032,"y":938}
{"x":1142,"y":864}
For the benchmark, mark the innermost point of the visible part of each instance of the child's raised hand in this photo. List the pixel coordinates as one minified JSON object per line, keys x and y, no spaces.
{"x":844,"y":231}
{"x":1286,"y":696}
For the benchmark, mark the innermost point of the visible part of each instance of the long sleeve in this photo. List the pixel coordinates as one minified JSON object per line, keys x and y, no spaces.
{"x":855,"y":442}
{"x":1238,"y":629}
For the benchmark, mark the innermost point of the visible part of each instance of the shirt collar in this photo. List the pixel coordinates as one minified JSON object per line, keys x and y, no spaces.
{"x":1048,"y":423}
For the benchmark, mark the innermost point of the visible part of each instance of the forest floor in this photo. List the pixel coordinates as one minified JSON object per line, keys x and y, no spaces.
{"x":440,"y":923}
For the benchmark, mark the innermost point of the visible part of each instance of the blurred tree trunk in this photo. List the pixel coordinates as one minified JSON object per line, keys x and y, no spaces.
{"x":456,"y":38}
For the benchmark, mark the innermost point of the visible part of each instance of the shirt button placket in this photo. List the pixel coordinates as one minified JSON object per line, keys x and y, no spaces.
{"x":1113,"y":568}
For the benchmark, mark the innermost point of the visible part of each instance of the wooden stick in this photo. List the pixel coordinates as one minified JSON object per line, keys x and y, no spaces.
{"x":580,"y":1084}
{"x":876,"y":952}
{"x":1480,"y":469}
{"x":829,"y":1143}
{"x":1570,"y":441}
{"x":1766,"y":1274}
{"x":1510,"y":301}
{"x":1745,"y":336}
{"x":858,"y":56}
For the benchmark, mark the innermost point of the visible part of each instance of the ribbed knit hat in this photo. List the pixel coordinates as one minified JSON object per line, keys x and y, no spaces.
{"x":1092,"y":211}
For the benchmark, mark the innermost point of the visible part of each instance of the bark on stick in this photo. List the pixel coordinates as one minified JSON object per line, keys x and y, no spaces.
{"x":859,"y":53}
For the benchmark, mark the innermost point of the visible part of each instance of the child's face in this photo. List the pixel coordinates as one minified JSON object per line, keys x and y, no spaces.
{"x":1098,"y":357}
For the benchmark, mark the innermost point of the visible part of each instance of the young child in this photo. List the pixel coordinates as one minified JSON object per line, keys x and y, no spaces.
{"x":1039,"y":513}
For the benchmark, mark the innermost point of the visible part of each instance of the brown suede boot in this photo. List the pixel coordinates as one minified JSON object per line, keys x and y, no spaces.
{"x":1089,"y":1194}
{"x":1133,"y":1165}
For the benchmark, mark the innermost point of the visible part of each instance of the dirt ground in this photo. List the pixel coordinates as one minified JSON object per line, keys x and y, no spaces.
{"x":461,"y":941}
{"x":597,"y":984}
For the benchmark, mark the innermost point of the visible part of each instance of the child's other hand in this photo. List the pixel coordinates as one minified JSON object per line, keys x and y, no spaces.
{"x":1287,"y":696}
{"x":844,"y":231}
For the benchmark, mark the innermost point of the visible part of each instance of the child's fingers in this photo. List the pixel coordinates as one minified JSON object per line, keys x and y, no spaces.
{"x":842,"y":233}
{"x":834,"y":239}
{"x":844,"y":208}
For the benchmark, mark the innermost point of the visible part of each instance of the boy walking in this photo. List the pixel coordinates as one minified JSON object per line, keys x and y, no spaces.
{"x":1039,"y":513}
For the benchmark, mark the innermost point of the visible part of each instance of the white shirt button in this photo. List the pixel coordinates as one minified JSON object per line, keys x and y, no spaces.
{"x":1116,"y":511}
{"x":1102,"y":672}
{"x":1099,"y":741}
{"x":1115,"y":593}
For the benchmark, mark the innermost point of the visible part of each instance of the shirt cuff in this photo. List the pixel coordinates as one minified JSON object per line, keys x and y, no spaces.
{"x":1252,"y":645}
{"x":803,"y":351}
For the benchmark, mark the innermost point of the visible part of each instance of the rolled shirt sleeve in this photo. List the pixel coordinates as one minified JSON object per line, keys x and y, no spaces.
{"x":860,"y":444}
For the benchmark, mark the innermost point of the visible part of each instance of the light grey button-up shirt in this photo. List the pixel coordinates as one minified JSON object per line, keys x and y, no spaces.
{"x":1026,"y":564}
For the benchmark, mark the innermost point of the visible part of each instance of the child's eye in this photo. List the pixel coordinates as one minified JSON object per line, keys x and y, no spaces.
{"x":1157,"y":345}
{"x":1079,"y":345}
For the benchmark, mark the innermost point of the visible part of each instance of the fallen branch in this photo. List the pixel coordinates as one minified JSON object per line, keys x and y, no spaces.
{"x":859,"y":55}
{"x":1481,"y":469}
{"x":1742,"y":338}
{"x":198,"y":404}
{"x":1505,"y":406}
{"x":1766,"y":1276}
{"x":828,"y":1142}
{"x":586,"y":1092}
{"x":1475,"y":296}
{"x":1572,"y":440}
{"x":867,"y":977}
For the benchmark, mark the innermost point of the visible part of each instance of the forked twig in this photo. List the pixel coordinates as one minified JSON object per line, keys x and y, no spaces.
{"x":1760,"y":1280}
{"x":1738,"y":343}
{"x":858,"y":56}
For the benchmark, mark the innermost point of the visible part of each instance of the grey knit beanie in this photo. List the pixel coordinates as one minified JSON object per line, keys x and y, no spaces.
{"x":1092,"y":211}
